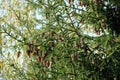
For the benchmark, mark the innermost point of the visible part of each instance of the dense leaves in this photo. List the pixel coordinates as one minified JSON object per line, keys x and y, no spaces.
{"x":60,"y":40}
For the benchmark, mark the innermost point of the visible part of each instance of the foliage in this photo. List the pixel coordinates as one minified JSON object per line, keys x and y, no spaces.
{"x":49,"y":38}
